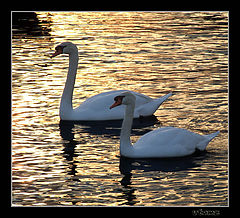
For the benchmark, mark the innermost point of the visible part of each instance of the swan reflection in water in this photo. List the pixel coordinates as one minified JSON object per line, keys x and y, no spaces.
{"x":109,"y":128}
{"x":127,"y":166}
{"x":106,"y":128}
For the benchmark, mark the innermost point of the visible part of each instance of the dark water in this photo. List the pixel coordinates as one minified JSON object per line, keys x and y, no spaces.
{"x":65,"y":163}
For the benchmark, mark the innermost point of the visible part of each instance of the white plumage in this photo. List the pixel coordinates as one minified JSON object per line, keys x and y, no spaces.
{"x":159,"y":143}
{"x":96,"y":107}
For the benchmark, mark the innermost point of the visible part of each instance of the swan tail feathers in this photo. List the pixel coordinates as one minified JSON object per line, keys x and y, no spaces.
{"x":159,"y":101}
{"x":203,"y":144}
{"x":163,"y":98}
{"x":150,"y":107}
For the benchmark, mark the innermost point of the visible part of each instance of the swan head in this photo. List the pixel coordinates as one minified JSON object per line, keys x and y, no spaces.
{"x":124,"y":98}
{"x":65,"y":48}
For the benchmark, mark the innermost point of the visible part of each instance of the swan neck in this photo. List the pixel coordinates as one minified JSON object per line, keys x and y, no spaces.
{"x":66,"y":100}
{"x":125,"y":141}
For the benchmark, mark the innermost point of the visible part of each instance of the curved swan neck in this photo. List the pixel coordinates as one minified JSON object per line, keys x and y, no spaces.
{"x":66,"y":100}
{"x":125,"y":141}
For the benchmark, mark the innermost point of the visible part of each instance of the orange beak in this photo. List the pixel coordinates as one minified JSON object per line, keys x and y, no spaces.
{"x":118,"y":101}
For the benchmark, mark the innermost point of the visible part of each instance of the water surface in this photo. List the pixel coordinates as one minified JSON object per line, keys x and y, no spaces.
{"x":65,"y":163}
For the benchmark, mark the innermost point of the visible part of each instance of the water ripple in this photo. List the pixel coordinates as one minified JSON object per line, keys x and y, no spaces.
{"x":78,"y":163}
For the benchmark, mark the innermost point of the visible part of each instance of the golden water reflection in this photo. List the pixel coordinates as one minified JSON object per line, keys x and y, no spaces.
{"x":149,"y":52}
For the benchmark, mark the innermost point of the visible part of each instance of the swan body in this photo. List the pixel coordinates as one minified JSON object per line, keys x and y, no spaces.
{"x":96,"y":107}
{"x":159,"y":143}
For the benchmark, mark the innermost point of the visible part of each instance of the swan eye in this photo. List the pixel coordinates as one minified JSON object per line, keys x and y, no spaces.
{"x":118,"y":101}
{"x":60,"y":47}
{"x":59,"y":50}
{"x":119,"y":98}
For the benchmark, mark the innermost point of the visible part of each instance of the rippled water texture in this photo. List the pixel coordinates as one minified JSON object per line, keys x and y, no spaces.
{"x":153,"y":53}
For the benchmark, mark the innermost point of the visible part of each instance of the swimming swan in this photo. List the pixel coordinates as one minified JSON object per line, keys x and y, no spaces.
{"x":96,"y":107}
{"x":159,"y":143}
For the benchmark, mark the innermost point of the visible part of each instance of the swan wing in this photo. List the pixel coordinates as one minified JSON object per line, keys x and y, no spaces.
{"x":107,"y":98}
{"x":97,"y":106}
{"x":167,"y":142}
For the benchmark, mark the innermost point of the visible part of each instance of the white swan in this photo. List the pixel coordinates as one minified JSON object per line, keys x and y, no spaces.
{"x":96,"y":107}
{"x":159,"y":143}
